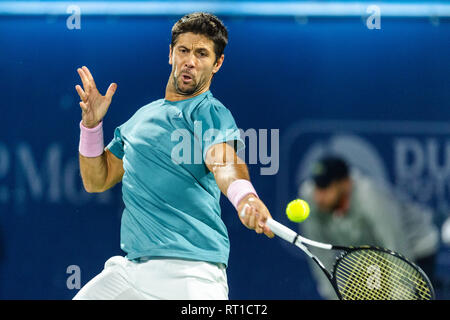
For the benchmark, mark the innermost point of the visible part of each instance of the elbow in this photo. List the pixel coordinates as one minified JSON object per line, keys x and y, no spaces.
{"x":89,"y":190}
{"x":92,"y":189}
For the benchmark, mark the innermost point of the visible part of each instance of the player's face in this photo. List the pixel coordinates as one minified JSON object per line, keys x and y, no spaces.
{"x":193,"y":63}
{"x":328,"y":199}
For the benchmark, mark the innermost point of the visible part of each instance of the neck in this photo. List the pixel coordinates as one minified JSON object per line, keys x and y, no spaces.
{"x":173,"y":95}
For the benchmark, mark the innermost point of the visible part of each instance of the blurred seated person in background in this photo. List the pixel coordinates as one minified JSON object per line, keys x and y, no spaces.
{"x":350,"y":209}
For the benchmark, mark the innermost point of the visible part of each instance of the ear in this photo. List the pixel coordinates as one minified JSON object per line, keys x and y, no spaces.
{"x":170,"y":54}
{"x":218,"y":64}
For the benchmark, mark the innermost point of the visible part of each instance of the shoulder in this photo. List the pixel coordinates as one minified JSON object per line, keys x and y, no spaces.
{"x":215,"y":102}
{"x":209,"y":108}
{"x":209,"y":102}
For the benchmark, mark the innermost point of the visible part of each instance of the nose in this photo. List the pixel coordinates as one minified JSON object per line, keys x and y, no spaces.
{"x":190,"y":61}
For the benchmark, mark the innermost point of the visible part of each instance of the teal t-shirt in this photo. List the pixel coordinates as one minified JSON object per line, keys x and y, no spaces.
{"x":171,"y":199}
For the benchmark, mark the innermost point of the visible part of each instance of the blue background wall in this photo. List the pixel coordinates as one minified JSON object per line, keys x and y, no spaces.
{"x":277,"y":72}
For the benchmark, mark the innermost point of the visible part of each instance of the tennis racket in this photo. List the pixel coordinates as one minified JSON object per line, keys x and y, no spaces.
{"x":366,"y":272}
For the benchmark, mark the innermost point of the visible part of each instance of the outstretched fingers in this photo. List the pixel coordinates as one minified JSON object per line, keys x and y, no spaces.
{"x":84,"y":79}
{"x":81,"y":93}
{"x":89,"y":77}
{"x":111,"y":90}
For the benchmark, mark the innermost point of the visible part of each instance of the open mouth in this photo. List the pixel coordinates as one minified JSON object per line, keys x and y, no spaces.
{"x":186,"y":78}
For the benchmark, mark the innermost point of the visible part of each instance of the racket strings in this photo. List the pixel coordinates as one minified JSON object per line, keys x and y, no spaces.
{"x":402,"y":270}
{"x":359,"y":289}
{"x":371,"y":274}
{"x":383,"y":288}
{"x":355,"y":290}
{"x":386,"y":286}
{"x":399,"y":272}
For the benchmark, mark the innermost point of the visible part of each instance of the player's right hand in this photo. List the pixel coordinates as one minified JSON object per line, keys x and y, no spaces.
{"x":93,"y":105}
{"x":255,"y":215}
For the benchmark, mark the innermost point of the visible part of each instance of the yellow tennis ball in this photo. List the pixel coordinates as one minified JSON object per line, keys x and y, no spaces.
{"x":297,"y":210}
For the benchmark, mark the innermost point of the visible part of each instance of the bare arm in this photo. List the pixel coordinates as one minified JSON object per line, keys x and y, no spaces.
{"x":101,"y":173}
{"x":224,"y":163}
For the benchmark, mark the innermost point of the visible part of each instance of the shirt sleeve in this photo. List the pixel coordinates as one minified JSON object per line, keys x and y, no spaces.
{"x":116,"y":144}
{"x":215,"y":124}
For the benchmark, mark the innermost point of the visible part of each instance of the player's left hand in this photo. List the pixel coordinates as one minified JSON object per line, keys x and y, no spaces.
{"x":256,"y":215}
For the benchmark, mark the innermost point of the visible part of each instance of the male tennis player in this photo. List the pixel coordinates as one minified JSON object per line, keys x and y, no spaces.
{"x":176,"y":243}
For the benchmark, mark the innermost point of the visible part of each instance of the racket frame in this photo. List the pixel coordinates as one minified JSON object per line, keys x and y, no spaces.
{"x":293,"y":237}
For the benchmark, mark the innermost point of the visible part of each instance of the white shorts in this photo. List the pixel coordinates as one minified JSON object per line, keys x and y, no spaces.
{"x":171,"y":279}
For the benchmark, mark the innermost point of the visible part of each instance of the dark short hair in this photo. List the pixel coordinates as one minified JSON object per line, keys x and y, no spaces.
{"x":205,"y":24}
{"x":328,"y":170}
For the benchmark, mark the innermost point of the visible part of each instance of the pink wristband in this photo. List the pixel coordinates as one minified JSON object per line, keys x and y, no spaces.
{"x":238,"y":189}
{"x":91,"y":140}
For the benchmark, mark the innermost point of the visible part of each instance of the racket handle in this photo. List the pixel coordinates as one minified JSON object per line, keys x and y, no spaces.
{"x":276,"y":227}
{"x":289,"y":235}
{"x":281,"y":230}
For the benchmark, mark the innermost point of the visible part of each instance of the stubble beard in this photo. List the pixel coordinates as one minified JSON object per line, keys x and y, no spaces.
{"x":186,"y":92}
